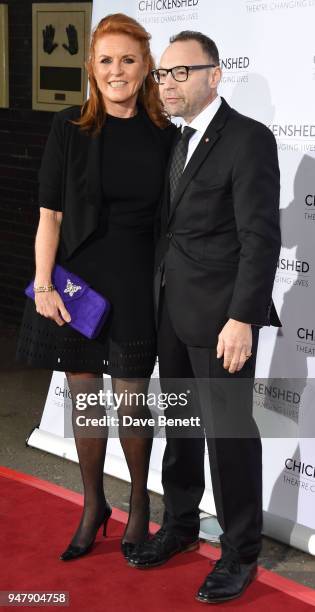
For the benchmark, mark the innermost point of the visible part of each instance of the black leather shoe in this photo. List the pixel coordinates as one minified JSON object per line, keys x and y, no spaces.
{"x":228,"y":580}
{"x":159,"y":549}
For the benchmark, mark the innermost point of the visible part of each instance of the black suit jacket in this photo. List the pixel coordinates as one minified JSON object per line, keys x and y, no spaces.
{"x":70,"y":176}
{"x":220,"y":243}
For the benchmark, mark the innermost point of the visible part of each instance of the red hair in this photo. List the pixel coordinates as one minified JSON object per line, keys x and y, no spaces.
{"x":93,"y":110}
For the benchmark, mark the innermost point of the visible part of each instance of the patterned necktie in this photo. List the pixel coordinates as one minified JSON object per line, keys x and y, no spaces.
{"x":179,"y":159}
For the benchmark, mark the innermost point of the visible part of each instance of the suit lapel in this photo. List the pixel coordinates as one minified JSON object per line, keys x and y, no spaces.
{"x":166,"y":191}
{"x":207,"y":142}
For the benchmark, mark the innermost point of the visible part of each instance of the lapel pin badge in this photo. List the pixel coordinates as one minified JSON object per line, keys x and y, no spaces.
{"x":206,"y":139}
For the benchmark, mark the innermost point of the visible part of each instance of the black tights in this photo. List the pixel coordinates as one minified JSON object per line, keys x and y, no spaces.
{"x":91,"y":448}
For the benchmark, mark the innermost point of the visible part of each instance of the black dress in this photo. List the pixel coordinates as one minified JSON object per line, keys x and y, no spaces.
{"x":117,"y":260}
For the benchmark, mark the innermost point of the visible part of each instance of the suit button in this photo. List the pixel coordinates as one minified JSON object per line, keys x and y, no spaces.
{"x":169,"y":235}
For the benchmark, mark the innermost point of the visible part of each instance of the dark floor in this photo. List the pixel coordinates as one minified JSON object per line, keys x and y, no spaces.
{"x":22,"y":397}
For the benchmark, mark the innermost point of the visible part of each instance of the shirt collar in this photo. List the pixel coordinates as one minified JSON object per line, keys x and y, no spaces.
{"x":201,"y":121}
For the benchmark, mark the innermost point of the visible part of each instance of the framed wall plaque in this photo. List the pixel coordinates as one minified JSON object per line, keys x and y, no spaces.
{"x":61,"y":36}
{"x":4,"y":57}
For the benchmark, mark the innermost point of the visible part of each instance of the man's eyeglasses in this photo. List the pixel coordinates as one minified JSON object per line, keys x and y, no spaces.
{"x":179,"y":73}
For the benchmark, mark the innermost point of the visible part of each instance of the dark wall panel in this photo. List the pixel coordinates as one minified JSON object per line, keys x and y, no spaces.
{"x":23,"y":134}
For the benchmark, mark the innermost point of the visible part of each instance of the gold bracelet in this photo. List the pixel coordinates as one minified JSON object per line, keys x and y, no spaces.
{"x":44,"y":288}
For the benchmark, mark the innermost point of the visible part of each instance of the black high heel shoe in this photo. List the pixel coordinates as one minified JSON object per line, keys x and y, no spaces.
{"x":127,"y":548}
{"x":72,"y":552}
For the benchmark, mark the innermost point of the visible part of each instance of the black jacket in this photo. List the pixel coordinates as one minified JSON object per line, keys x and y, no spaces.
{"x":219,"y":246}
{"x":70,"y":175}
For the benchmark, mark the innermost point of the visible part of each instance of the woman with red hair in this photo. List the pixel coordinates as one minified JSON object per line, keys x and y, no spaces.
{"x":100,"y":182}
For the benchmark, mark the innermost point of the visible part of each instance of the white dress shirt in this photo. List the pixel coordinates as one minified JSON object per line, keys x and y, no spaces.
{"x":200,"y":124}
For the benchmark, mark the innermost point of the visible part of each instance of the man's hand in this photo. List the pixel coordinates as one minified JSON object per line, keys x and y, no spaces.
{"x":235,"y":344}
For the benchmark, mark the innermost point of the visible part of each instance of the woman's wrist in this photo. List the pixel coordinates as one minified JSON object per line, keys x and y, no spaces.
{"x":42,"y":280}
{"x":43,"y":288}
{"x":43,"y":277}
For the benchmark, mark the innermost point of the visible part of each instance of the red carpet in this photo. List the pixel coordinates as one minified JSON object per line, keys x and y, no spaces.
{"x":37,"y":522}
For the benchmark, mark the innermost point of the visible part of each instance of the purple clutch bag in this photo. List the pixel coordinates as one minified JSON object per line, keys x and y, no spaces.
{"x":87,"y":308}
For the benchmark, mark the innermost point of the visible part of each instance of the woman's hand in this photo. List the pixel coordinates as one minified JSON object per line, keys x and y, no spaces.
{"x":49,"y":304}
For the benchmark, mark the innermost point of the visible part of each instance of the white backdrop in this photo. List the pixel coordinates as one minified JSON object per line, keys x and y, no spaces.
{"x":268,"y":59}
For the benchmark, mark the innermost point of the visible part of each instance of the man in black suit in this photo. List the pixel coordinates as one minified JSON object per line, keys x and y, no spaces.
{"x":216,"y":262}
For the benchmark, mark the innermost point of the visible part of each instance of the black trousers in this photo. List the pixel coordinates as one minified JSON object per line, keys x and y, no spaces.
{"x":223,"y":402}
